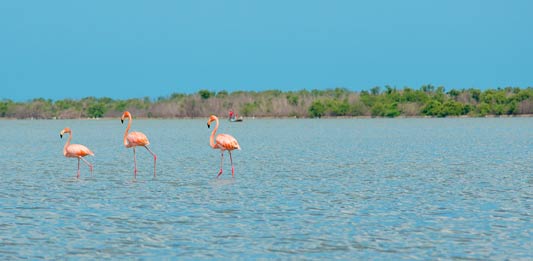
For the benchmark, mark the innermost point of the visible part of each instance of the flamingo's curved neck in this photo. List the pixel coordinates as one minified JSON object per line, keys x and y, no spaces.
{"x":127,"y":129}
{"x":212,"y":138}
{"x":68,"y":143}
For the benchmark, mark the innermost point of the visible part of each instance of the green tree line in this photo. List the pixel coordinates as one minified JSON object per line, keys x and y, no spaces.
{"x":428,"y":100}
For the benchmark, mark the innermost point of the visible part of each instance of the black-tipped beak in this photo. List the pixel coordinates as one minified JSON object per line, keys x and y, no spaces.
{"x":122,"y":121}
{"x":60,"y":135}
{"x":208,"y":126}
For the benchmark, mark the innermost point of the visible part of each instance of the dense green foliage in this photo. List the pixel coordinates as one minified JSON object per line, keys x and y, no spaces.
{"x":428,"y":100}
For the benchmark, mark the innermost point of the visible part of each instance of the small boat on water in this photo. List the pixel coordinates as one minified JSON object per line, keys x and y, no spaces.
{"x":233,"y":117}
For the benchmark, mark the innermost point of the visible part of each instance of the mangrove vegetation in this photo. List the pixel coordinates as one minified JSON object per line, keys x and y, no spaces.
{"x":388,"y":101}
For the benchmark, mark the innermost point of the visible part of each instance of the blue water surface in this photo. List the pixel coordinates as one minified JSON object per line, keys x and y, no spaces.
{"x":303,"y":189}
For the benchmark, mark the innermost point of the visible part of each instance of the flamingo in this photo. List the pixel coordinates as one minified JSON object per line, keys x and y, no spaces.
{"x":134,"y":139}
{"x":223,"y":142}
{"x":75,"y":150}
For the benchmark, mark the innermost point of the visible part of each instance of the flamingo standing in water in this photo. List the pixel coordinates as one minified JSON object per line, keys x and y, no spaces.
{"x":134,"y":139}
{"x":223,"y":142}
{"x":75,"y":150}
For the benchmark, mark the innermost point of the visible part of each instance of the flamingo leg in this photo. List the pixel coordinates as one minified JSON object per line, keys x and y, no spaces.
{"x":78,"y":176}
{"x":153,"y":154}
{"x":134,"y":165}
{"x":221,"y":160}
{"x":232,"y":168}
{"x":88,"y":164}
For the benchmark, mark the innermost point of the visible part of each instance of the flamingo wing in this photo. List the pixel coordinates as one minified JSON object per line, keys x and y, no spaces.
{"x":77,"y":150}
{"x":227,"y":142}
{"x":137,"y":139}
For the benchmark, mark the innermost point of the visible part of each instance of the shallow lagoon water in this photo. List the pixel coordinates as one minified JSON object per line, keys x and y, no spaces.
{"x":303,"y":189}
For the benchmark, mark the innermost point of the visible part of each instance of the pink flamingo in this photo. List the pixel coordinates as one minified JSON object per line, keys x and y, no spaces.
{"x":134,"y":139}
{"x":224,"y":142}
{"x":75,"y":150}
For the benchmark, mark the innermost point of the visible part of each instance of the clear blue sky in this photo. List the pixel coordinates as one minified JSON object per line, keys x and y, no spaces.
{"x":130,"y":49}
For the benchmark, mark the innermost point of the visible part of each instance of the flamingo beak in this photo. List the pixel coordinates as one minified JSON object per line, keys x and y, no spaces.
{"x":60,"y":135}
{"x":208,"y":126}
{"x":122,"y":121}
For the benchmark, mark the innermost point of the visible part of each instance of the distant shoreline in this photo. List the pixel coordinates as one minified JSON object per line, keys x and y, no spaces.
{"x":426,"y":102}
{"x":280,"y":118}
